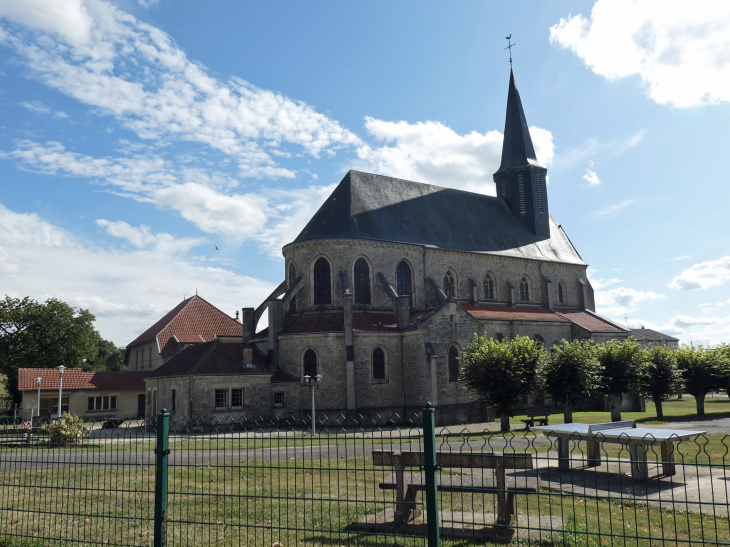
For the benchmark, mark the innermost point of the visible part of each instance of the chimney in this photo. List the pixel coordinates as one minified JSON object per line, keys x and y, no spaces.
{"x":403,"y":311}
{"x":247,"y":317}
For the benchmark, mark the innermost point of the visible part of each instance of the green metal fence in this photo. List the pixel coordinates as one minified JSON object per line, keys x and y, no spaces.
{"x":375,"y":481}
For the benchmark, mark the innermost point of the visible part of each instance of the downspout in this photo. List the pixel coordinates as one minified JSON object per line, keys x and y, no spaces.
{"x":403,"y":376}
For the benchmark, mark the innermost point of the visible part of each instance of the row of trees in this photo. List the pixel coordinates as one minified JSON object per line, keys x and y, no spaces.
{"x":507,"y":372}
{"x":47,"y":334}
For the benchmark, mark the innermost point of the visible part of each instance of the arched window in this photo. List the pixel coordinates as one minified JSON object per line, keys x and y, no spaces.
{"x":453,"y":364}
{"x":524,"y":289}
{"x":322,"y":282}
{"x":449,"y":286}
{"x":378,"y":364}
{"x":488,"y":287}
{"x":362,"y":281}
{"x":292,"y":278}
{"x":560,"y":293}
{"x":310,"y":363}
{"x":403,"y":280}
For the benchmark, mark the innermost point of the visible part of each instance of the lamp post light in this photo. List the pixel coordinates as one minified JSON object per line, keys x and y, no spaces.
{"x":312,"y":382}
{"x":38,"y":381}
{"x":60,"y":368}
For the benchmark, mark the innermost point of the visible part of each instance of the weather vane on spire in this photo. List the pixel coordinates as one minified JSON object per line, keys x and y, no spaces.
{"x":509,"y":47}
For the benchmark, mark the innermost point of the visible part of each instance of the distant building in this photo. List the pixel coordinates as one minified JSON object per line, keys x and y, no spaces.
{"x":90,"y":395}
{"x":651,"y":338}
{"x":193,"y":321}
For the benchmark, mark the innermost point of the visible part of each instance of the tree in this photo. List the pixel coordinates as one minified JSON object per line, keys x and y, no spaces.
{"x":723,"y":353}
{"x":660,"y":378}
{"x":622,"y":364}
{"x":571,"y":370}
{"x":110,"y":357}
{"x":43,"y":335}
{"x":503,"y":373}
{"x":702,"y":371}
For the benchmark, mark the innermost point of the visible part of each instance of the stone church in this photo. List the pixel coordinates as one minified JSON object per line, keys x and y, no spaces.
{"x":391,"y":278}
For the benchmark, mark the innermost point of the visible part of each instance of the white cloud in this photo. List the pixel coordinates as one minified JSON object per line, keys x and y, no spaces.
{"x":617,"y":207}
{"x":126,"y":289}
{"x":680,"y":50}
{"x":36,"y":106}
{"x":614,"y":302}
{"x":591,"y":177}
{"x":434,"y":153}
{"x":677,"y":258}
{"x":697,"y":330}
{"x":703,"y":275}
{"x":142,"y":237}
{"x":136,"y":73}
{"x":602,"y":283}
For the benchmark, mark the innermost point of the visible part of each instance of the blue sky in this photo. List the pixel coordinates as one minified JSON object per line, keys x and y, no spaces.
{"x":137,"y":135}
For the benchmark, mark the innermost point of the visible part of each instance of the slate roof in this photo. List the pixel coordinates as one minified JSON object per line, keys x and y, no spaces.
{"x":508,"y":313}
{"x":517,"y":150}
{"x":590,"y":321}
{"x":380,"y":208}
{"x":652,"y":335}
{"x":214,"y":357}
{"x":78,"y":379}
{"x":188,"y":321}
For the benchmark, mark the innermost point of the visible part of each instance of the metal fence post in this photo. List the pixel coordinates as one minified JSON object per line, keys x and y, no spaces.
{"x":430,"y":467}
{"x":161,"y":453}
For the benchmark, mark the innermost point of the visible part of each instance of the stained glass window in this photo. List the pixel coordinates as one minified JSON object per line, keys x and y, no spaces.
{"x":560,"y":293}
{"x":488,"y":287}
{"x":524,"y":289}
{"x":449,"y":288}
{"x":322,"y":283}
{"x":310,"y":363}
{"x":378,"y":364}
{"x":403,"y":280}
{"x":362,"y":282}
{"x":453,"y":364}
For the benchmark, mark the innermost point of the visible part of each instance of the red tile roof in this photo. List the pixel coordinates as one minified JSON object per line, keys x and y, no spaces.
{"x":188,"y":321}
{"x":590,"y":321}
{"x":332,"y":321}
{"x":508,"y":313}
{"x":214,"y":357}
{"x":78,"y":379}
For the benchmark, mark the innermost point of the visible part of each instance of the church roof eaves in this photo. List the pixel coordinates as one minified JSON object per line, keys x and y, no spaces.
{"x":370,"y":207}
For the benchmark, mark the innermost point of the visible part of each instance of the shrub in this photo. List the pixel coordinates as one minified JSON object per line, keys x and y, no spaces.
{"x":68,"y":429}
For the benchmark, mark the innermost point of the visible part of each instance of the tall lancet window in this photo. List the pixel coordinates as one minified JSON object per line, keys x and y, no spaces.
{"x":524,"y":289}
{"x":362,"y":282}
{"x":292,"y":278}
{"x":322,"y":282}
{"x":403,"y":280}
{"x":488,"y":287}
{"x":449,"y":285}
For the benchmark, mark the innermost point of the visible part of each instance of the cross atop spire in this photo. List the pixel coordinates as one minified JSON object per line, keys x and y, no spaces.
{"x":509,"y":47}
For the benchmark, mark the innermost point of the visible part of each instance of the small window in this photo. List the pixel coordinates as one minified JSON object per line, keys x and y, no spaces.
{"x":310,"y":363}
{"x":322,"y":282}
{"x":174,"y":400}
{"x":279,"y":398}
{"x":521,"y":189}
{"x":488,"y":287}
{"x":362,"y":282}
{"x":292,"y":278}
{"x":560,"y":293}
{"x":453,"y":364}
{"x":524,"y":289}
{"x":449,"y":286}
{"x":237,"y":398}
{"x":221,"y":399}
{"x":499,"y":336}
{"x":90,"y":404}
{"x":378,"y":364}
{"x":150,"y":362}
{"x":403,"y":280}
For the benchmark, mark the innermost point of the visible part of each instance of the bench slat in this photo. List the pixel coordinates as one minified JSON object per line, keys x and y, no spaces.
{"x":384,"y":458}
{"x":464,"y":483}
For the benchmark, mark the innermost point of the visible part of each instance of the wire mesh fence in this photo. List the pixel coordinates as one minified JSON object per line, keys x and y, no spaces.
{"x":357,"y":482}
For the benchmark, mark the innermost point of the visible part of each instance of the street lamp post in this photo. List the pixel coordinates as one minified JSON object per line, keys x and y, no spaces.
{"x":312,"y":382}
{"x":60,"y":368}
{"x":38,"y":381}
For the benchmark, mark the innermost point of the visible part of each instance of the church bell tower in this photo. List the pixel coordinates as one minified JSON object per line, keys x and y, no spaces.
{"x":520,"y":179}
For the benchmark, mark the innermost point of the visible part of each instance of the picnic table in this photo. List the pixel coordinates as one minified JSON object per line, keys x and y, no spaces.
{"x":478,"y":479}
{"x":638,"y":440}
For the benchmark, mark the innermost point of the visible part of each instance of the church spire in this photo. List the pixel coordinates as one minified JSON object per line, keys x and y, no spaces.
{"x":517,"y":150}
{"x":521,"y":179}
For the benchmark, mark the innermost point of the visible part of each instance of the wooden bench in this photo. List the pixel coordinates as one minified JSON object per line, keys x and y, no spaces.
{"x":533,"y":415}
{"x":408,"y":484}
